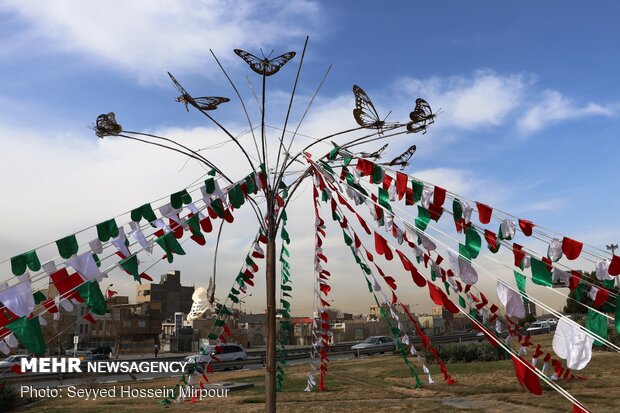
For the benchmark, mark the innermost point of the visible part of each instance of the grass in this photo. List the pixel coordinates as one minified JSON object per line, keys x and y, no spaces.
{"x":384,"y":384}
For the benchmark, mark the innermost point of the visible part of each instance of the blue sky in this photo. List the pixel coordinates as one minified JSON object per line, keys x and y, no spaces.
{"x":529,"y":105}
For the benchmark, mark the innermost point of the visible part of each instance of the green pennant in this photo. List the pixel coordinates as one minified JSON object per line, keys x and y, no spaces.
{"x":347,"y":238}
{"x":67,"y":246}
{"x":107,"y":229}
{"x":250,"y":184}
{"x":597,"y":324}
{"x":520,"y":281}
{"x":464,"y":252}
{"x":457,"y":210}
{"x":28,"y":259}
{"x":212,"y":336}
{"x":91,"y":293}
{"x":233,"y":298}
{"x":170,"y":245}
{"x":194,"y":226}
{"x":333,"y":153}
{"x":97,"y":260}
{"x":473,"y":241}
{"x":178,"y":199}
{"x":424,"y":217}
{"x":28,"y":332}
{"x":236,"y":197}
{"x":540,"y":273}
{"x":130,"y":264}
{"x":39,"y":297}
{"x":417,"y":187}
{"x":462,"y":302}
{"x":225,"y":311}
{"x":377,"y":174}
{"x":384,"y":199}
{"x":145,"y":211}
{"x":285,"y":236}
{"x":218,"y":207}
{"x":219,"y":323}
{"x":284,"y":215}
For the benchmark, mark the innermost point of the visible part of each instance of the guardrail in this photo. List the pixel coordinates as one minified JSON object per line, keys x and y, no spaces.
{"x":255,"y":357}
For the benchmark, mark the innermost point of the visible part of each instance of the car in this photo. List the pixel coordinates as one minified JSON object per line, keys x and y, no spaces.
{"x":101,"y":350}
{"x":211,"y":354}
{"x":80,"y":352}
{"x":14,"y":360}
{"x":539,"y":327}
{"x":375,"y":344}
{"x":98,"y":357}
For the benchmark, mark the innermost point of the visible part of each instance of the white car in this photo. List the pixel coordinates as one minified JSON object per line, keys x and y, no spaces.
{"x":213,"y":354}
{"x":539,"y":327}
{"x":375,"y":344}
{"x":11,"y":361}
{"x":80,"y":352}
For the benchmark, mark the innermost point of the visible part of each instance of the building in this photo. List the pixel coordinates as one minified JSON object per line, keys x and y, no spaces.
{"x":172,"y":296}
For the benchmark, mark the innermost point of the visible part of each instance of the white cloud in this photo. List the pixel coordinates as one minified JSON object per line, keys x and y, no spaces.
{"x":488,"y":99}
{"x":146,"y":38}
{"x":553,"y":107}
{"x":482,"y":100}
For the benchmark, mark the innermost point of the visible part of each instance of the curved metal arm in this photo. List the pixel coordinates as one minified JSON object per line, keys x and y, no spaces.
{"x":199,"y":158}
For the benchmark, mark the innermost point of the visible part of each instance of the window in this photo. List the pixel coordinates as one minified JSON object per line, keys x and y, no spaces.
{"x":141,"y":323}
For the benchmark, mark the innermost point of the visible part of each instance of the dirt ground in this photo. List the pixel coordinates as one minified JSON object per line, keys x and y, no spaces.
{"x":382,"y":383}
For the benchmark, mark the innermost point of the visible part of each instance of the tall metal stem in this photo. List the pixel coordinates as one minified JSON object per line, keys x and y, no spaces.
{"x":270,"y":353}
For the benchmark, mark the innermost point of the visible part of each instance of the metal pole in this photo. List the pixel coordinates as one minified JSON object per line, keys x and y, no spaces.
{"x":270,"y":345}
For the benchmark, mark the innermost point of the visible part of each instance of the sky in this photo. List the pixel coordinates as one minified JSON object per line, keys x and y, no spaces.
{"x":529,"y":118}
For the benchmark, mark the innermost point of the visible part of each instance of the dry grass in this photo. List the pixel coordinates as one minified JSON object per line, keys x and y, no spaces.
{"x":383,"y":384}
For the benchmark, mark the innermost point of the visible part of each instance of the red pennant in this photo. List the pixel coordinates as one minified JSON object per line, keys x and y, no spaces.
{"x":365,"y":166}
{"x":602,"y":296}
{"x":394,"y":298}
{"x":50,"y":305}
{"x":491,"y":239}
{"x":579,"y":409}
{"x":435,"y":211}
{"x":483,"y":303}
{"x":369,"y":256}
{"x":537,"y":352}
{"x":439,"y":196}
{"x":418,"y":279}
{"x":324,"y":303}
{"x":527,"y":377}
{"x":391,"y":282}
{"x":440,"y":298}
{"x":526,"y":227}
{"x":65,"y":282}
{"x":145,"y":276}
{"x":111,"y":293}
{"x":409,"y":197}
{"x":484,"y":212}
{"x":518,"y":253}
{"x":401,"y":184}
{"x":200,"y":240}
{"x":212,"y":213}
{"x":614,"y":266}
{"x":17,"y":369}
{"x":205,"y":224}
{"x":574,"y":280}
{"x":325,"y":289}
{"x":363,"y":224}
{"x":571,"y":248}
{"x":387,"y":181}
{"x":89,"y":317}
{"x":357,"y":241}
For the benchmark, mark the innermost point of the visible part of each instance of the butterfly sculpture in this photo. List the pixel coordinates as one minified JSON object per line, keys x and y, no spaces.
{"x":365,"y":113}
{"x":403,"y":159}
{"x":202,"y":103}
{"x":265,"y":66}
{"x":421,"y":117}
{"x":374,"y":155}
{"x":106,"y":125}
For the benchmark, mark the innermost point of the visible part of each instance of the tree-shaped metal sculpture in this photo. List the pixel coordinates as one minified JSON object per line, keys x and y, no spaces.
{"x":349,"y":181}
